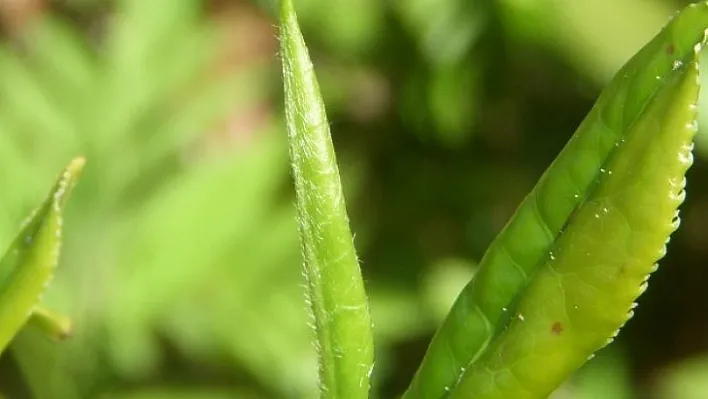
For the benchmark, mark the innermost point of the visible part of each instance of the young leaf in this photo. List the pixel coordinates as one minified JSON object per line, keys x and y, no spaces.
{"x":584,"y":292}
{"x":588,"y":234}
{"x":29,"y":263}
{"x":334,"y":284}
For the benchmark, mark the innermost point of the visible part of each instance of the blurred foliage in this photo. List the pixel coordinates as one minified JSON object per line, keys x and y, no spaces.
{"x":181,"y":266}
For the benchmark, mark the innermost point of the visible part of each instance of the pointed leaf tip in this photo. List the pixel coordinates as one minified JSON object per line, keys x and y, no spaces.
{"x":68,"y":179}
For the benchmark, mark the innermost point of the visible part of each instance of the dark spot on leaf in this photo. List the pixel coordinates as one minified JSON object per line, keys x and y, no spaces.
{"x":557,"y":328}
{"x":670,"y":49}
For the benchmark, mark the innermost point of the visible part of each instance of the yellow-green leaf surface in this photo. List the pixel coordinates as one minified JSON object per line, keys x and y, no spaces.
{"x":29,"y":263}
{"x":335,"y":288}
{"x":561,"y":278}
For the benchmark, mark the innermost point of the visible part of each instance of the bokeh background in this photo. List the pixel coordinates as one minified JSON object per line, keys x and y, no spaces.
{"x":181,"y":266}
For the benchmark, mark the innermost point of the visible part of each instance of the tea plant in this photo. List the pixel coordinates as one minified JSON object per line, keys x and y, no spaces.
{"x":561,"y":278}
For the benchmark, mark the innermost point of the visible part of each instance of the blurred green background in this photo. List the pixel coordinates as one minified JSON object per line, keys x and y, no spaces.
{"x":181,"y":266}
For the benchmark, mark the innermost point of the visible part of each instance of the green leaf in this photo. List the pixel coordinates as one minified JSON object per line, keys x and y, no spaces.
{"x":334,"y":284}
{"x":29,"y":263}
{"x":561,"y":277}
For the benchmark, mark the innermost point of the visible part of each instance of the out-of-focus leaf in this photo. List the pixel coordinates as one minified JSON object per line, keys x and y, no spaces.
{"x":28,"y":264}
